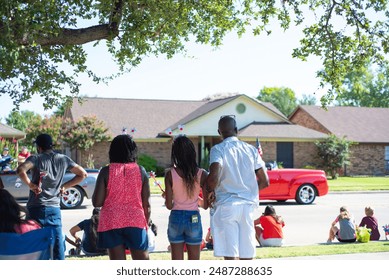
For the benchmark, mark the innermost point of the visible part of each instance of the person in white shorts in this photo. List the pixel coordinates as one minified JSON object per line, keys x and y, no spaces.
{"x":237,"y":173}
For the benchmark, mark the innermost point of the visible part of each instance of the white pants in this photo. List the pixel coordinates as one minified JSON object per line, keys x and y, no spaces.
{"x":233,"y":231}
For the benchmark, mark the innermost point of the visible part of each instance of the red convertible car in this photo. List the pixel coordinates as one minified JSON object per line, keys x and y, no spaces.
{"x":303,"y":185}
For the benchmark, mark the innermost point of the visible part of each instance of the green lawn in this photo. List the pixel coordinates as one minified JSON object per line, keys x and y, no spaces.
{"x":340,"y":184}
{"x":283,"y":252}
{"x":359,"y":184}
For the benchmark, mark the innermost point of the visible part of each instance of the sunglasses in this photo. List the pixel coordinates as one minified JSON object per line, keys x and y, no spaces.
{"x":227,"y":116}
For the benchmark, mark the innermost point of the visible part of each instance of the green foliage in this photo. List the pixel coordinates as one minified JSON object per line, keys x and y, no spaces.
{"x":84,"y":133}
{"x":21,"y":120}
{"x":150,"y":164}
{"x":307,"y":100}
{"x":334,"y":153}
{"x":51,"y":125}
{"x":283,"y":99}
{"x":38,"y":37}
{"x":366,"y":87}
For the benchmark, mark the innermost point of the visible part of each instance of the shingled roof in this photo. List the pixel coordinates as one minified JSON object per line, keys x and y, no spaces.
{"x":359,"y":124}
{"x":148,"y":117}
{"x":10,"y":132}
{"x":281,"y":131}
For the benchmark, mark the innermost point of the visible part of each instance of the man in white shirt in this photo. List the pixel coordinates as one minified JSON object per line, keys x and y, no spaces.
{"x":237,"y":173}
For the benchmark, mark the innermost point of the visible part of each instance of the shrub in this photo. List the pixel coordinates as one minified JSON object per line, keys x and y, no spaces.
{"x":150,"y":164}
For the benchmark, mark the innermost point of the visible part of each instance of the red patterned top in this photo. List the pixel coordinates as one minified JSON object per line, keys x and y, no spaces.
{"x":123,"y":202}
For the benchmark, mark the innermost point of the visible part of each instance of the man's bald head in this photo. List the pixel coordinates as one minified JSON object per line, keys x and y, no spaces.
{"x":227,"y":127}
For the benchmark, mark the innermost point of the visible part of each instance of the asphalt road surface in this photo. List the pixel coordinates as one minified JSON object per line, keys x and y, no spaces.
{"x":304,"y":224}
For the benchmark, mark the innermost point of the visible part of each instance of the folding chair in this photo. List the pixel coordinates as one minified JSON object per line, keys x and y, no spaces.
{"x":33,"y":245}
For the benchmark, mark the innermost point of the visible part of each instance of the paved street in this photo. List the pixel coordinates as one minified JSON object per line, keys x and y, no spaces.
{"x":305,"y":224}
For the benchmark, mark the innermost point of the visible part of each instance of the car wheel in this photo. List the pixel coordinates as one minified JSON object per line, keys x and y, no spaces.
{"x":306,"y":194}
{"x":72,"y":198}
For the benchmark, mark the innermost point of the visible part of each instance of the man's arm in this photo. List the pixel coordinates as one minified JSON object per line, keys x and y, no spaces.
{"x":213,"y":181}
{"x":80,"y":175}
{"x":22,"y":173}
{"x":262,"y":178}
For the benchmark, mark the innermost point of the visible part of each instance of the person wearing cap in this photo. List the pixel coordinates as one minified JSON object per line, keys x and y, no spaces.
{"x":5,"y":160}
{"x":46,"y":187}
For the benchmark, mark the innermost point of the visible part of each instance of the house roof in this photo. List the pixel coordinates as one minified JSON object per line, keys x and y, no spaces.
{"x":359,"y":124}
{"x":10,"y":132}
{"x":280,"y":131}
{"x":148,"y":117}
{"x":213,"y":104}
{"x":151,"y":118}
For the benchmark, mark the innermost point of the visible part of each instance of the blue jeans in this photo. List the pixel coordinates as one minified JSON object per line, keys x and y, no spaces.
{"x":50,"y":217}
{"x":185,"y":226}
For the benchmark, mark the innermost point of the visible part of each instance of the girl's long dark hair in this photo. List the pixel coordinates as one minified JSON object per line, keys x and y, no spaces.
{"x":93,"y":228}
{"x":10,"y":212}
{"x":123,"y":149}
{"x":184,"y":158}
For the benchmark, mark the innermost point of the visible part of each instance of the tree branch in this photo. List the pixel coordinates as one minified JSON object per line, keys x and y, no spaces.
{"x":67,"y":36}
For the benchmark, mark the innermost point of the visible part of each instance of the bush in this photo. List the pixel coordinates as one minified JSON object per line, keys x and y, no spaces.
{"x":150,"y":164}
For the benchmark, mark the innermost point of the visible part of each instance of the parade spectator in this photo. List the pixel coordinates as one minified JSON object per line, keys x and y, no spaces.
{"x":370,"y":221}
{"x":183,"y":182}
{"x":268,"y":228}
{"x":46,"y":185}
{"x":237,"y":173}
{"x":123,"y":192}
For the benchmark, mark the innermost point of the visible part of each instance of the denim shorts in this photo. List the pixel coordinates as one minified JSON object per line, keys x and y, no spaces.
{"x":185,"y":226}
{"x":132,"y":237}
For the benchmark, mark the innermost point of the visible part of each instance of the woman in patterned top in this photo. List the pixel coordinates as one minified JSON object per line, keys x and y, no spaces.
{"x":122,"y":191}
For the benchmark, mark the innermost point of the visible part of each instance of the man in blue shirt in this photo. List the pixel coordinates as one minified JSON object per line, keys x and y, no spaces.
{"x":237,"y":173}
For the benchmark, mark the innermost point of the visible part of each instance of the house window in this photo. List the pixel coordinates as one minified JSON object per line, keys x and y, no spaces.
{"x":387,"y":158}
{"x":241,"y":108}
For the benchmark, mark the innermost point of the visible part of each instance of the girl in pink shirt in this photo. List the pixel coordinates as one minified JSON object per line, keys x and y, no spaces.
{"x":183,"y":183}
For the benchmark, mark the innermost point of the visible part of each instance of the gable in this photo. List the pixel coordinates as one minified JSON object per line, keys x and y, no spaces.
{"x":246,"y":110}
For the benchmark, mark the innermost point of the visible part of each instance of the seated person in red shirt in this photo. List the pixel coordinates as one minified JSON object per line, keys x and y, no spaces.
{"x":23,"y":155}
{"x":268,"y":228}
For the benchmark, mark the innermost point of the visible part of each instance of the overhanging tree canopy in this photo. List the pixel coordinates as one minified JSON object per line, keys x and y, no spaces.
{"x":38,"y":37}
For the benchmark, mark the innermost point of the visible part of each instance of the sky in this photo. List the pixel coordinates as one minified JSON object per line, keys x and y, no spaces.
{"x":241,"y":65}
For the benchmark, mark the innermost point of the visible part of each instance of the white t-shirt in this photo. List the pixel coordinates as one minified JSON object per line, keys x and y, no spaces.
{"x":238,"y":182}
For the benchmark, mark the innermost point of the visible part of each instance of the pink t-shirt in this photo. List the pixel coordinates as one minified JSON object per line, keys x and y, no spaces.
{"x":180,"y":196}
{"x":123,"y":202}
{"x":26,"y":227}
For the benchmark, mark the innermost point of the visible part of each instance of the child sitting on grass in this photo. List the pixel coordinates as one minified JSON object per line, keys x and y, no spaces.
{"x":370,"y":222}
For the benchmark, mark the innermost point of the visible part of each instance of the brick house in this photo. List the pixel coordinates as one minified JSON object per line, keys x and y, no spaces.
{"x":367,"y":127}
{"x":152,"y":123}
